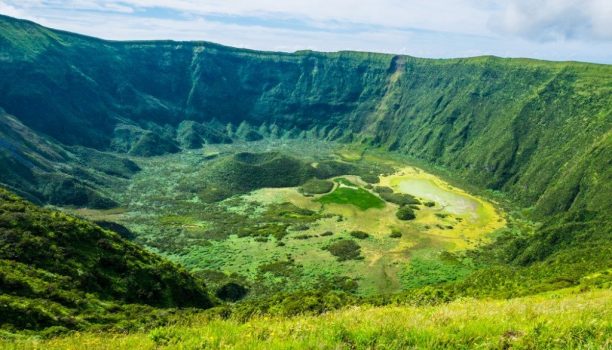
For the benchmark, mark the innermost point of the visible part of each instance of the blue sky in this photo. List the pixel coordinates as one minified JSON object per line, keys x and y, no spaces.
{"x":549,"y":29}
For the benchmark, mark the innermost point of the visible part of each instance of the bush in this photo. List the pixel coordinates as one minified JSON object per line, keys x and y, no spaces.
{"x":405,"y":213}
{"x":359,"y":234}
{"x":399,"y":198}
{"x":430,"y":204}
{"x":370,"y":178}
{"x":345,"y":250}
{"x":383,"y":189}
{"x":279,"y":268}
{"x":326,"y":233}
{"x":232,"y":292}
{"x":395,"y":234}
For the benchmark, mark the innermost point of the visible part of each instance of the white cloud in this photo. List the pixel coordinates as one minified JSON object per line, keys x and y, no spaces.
{"x":554,"y":20}
{"x":552,"y":29}
{"x":9,"y":10}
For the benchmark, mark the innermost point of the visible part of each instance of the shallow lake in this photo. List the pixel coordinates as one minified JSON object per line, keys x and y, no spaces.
{"x":451,"y":201}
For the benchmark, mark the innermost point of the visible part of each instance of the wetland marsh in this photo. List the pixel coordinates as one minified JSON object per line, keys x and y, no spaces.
{"x":271,"y":236}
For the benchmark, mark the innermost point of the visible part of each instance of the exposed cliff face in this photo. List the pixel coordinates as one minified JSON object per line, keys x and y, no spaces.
{"x":537,"y":130}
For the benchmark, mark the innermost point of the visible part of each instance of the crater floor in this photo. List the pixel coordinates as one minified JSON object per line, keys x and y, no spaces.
{"x":279,"y":238}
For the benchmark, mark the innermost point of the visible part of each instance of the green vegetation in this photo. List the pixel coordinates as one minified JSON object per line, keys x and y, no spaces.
{"x":315,"y":186}
{"x":452,"y":107}
{"x":395,"y":234}
{"x":345,"y":182}
{"x":405,"y":213}
{"x":383,"y":189}
{"x":345,"y":249}
{"x":245,"y":171}
{"x":57,"y":270}
{"x":358,"y":197}
{"x":400,"y":199}
{"x":154,"y":152}
{"x":559,"y":320}
{"x":370,"y":178}
{"x":232,"y":292}
{"x":152,"y":144}
{"x":428,"y":268}
{"x":359,"y":234}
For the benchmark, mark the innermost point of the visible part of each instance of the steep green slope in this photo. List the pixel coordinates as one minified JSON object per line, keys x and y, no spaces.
{"x":57,"y":270}
{"x":537,"y":130}
{"x":81,"y":111}
{"x":45,"y":171}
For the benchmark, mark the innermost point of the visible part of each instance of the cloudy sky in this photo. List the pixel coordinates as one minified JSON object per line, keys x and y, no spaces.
{"x":549,"y":29}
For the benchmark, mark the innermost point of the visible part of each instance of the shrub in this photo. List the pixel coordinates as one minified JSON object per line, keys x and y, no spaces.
{"x":370,"y":178}
{"x":279,"y":268}
{"x":232,"y":292}
{"x":395,"y":234}
{"x":383,"y":189}
{"x":405,"y":213}
{"x":359,"y":234}
{"x":326,"y":233}
{"x":345,"y":250}
{"x":430,"y":204}
{"x":399,"y":198}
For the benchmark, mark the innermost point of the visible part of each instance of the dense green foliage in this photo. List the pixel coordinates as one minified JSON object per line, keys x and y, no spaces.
{"x":405,"y":213}
{"x":536,"y":130}
{"x":400,"y":199}
{"x":243,"y":172}
{"x":359,"y":234}
{"x":79,"y":117}
{"x":45,"y":171}
{"x":53,"y":267}
{"x":315,"y":186}
{"x":345,"y":249}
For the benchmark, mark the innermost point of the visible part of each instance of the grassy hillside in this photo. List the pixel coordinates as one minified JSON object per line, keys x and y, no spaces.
{"x":561,"y":320}
{"x":199,"y":149}
{"x":47,"y":172}
{"x":58,"y":270}
{"x":539,"y":131}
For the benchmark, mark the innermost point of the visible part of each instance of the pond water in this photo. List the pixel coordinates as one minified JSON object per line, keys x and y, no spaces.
{"x":452,"y":201}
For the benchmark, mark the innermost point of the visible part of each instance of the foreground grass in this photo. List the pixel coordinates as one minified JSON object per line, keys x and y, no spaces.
{"x":559,"y":320}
